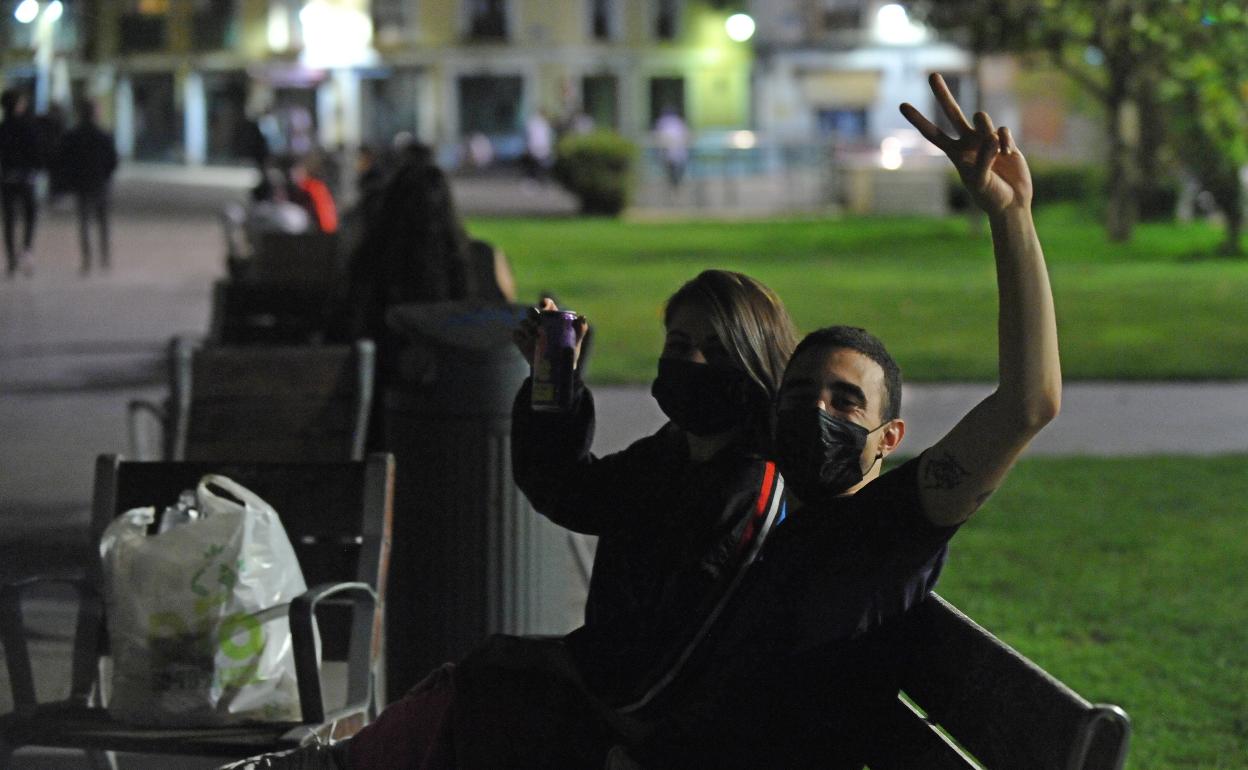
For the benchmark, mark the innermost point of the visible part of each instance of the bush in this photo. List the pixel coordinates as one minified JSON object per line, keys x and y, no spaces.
{"x":1161,"y":202}
{"x":1051,"y":183}
{"x":597,"y":168}
{"x":1056,"y":183}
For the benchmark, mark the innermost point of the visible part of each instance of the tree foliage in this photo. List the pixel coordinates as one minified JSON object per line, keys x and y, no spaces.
{"x":1205,"y":53}
{"x":1177,"y":65}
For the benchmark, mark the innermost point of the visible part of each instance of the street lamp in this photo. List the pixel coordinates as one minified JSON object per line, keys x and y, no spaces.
{"x":894,"y":27}
{"x":27,"y":11}
{"x":44,"y":17}
{"x":740,"y":27}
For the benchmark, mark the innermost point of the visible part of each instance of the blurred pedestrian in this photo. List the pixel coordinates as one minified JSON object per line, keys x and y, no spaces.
{"x":251,"y":143}
{"x":20,"y":161}
{"x":539,"y":146}
{"x":87,"y":157}
{"x":672,"y":135}
{"x":480,"y":151}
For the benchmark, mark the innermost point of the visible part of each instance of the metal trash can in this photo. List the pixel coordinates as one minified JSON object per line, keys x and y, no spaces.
{"x":470,"y":557}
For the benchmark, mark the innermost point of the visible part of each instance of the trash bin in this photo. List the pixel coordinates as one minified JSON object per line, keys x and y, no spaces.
{"x":470,"y":556}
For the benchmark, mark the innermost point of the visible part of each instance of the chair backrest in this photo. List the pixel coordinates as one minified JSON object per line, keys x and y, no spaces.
{"x":998,"y":706}
{"x":274,"y":403}
{"x":336,"y":514}
{"x":305,"y":258}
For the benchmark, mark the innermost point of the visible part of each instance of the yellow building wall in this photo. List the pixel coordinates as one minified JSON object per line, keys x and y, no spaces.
{"x":438,"y":22}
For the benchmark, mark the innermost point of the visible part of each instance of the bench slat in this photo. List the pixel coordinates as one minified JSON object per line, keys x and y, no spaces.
{"x":908,"y":741}
{"x":1004,"y":709}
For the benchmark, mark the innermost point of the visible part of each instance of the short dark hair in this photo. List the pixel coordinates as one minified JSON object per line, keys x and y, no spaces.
{"x":866,"y":343}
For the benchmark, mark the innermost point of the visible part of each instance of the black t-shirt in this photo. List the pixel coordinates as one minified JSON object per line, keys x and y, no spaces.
{"x":807,"y":646}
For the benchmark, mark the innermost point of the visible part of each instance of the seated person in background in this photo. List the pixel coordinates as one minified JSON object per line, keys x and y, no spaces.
{"x":271,"y":211}
{"x":306,"y":189}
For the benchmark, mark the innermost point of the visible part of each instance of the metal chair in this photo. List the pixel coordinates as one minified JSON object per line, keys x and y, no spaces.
{"x":279,"y":403}
{"x":338,"y":518}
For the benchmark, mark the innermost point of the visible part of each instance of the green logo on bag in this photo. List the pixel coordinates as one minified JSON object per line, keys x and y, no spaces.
{"x":231,"y":627}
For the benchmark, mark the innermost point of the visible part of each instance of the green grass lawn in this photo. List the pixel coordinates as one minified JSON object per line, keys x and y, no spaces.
{"x":1126,"y":579}
{"x":1157,"y":308}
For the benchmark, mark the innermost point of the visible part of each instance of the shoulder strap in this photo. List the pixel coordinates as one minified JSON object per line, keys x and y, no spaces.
{"x":762,"y":519}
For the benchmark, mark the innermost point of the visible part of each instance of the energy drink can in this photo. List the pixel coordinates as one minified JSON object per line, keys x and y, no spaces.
{"x":552,"y":361}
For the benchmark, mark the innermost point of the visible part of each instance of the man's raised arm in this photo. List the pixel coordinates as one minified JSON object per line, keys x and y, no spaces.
{"x":962,"y":470}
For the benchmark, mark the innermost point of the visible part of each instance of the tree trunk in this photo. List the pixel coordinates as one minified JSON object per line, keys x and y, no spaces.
{"x":1151,"y":193}
{"x":1231,"y":203}
{"x":1231,"y":246}
{"x":1121,"y":178}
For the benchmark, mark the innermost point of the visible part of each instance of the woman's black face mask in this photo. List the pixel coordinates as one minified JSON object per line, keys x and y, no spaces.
{"x":702,"y":399}
{"x":819,"y":454}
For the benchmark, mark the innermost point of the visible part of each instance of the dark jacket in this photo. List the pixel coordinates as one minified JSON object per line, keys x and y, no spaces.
{"x":19,"y":149}
{"x":87,"y":158}
{"x":668,"y":531}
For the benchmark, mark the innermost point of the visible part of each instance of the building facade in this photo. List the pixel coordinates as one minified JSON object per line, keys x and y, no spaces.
{"x":179,"y":80}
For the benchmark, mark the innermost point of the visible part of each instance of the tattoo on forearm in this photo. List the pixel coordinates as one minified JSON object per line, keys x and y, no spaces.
{"x":943,"y":473}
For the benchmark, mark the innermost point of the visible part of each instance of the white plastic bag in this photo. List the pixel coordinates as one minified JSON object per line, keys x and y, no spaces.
{"x":197,"y":614}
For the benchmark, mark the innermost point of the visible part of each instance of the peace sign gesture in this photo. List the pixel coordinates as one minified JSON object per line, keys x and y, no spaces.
{"x":991,"y":167}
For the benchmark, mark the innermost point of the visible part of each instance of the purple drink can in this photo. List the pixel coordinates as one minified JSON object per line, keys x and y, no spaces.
{"x":553,"y":361}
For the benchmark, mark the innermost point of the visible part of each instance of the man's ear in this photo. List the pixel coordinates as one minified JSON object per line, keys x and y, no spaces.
{"x":891,"y":436}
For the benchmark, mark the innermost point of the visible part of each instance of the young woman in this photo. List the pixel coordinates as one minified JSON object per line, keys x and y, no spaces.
{"x":670,"y":509}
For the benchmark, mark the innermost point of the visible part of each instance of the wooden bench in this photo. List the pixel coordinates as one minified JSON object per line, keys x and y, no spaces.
{"x":276,"y":403}
{"x":283,"y":294}
{"x":972,"y":701}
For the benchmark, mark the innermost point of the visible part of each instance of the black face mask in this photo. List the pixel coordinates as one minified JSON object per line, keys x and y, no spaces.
{"x":819,"y":454}
{"x":702,"y":399}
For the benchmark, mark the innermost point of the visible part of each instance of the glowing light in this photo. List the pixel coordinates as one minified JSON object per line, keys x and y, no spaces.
{"x":890,"y":153}
{"x":54,"y":10}
{"x":335,"y":36}
{"x":740,"y":27}
{"x":742,"y":140}
{"x":893,"y":25}
{"x":26,"y":11}
{"x":278,"y":28}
